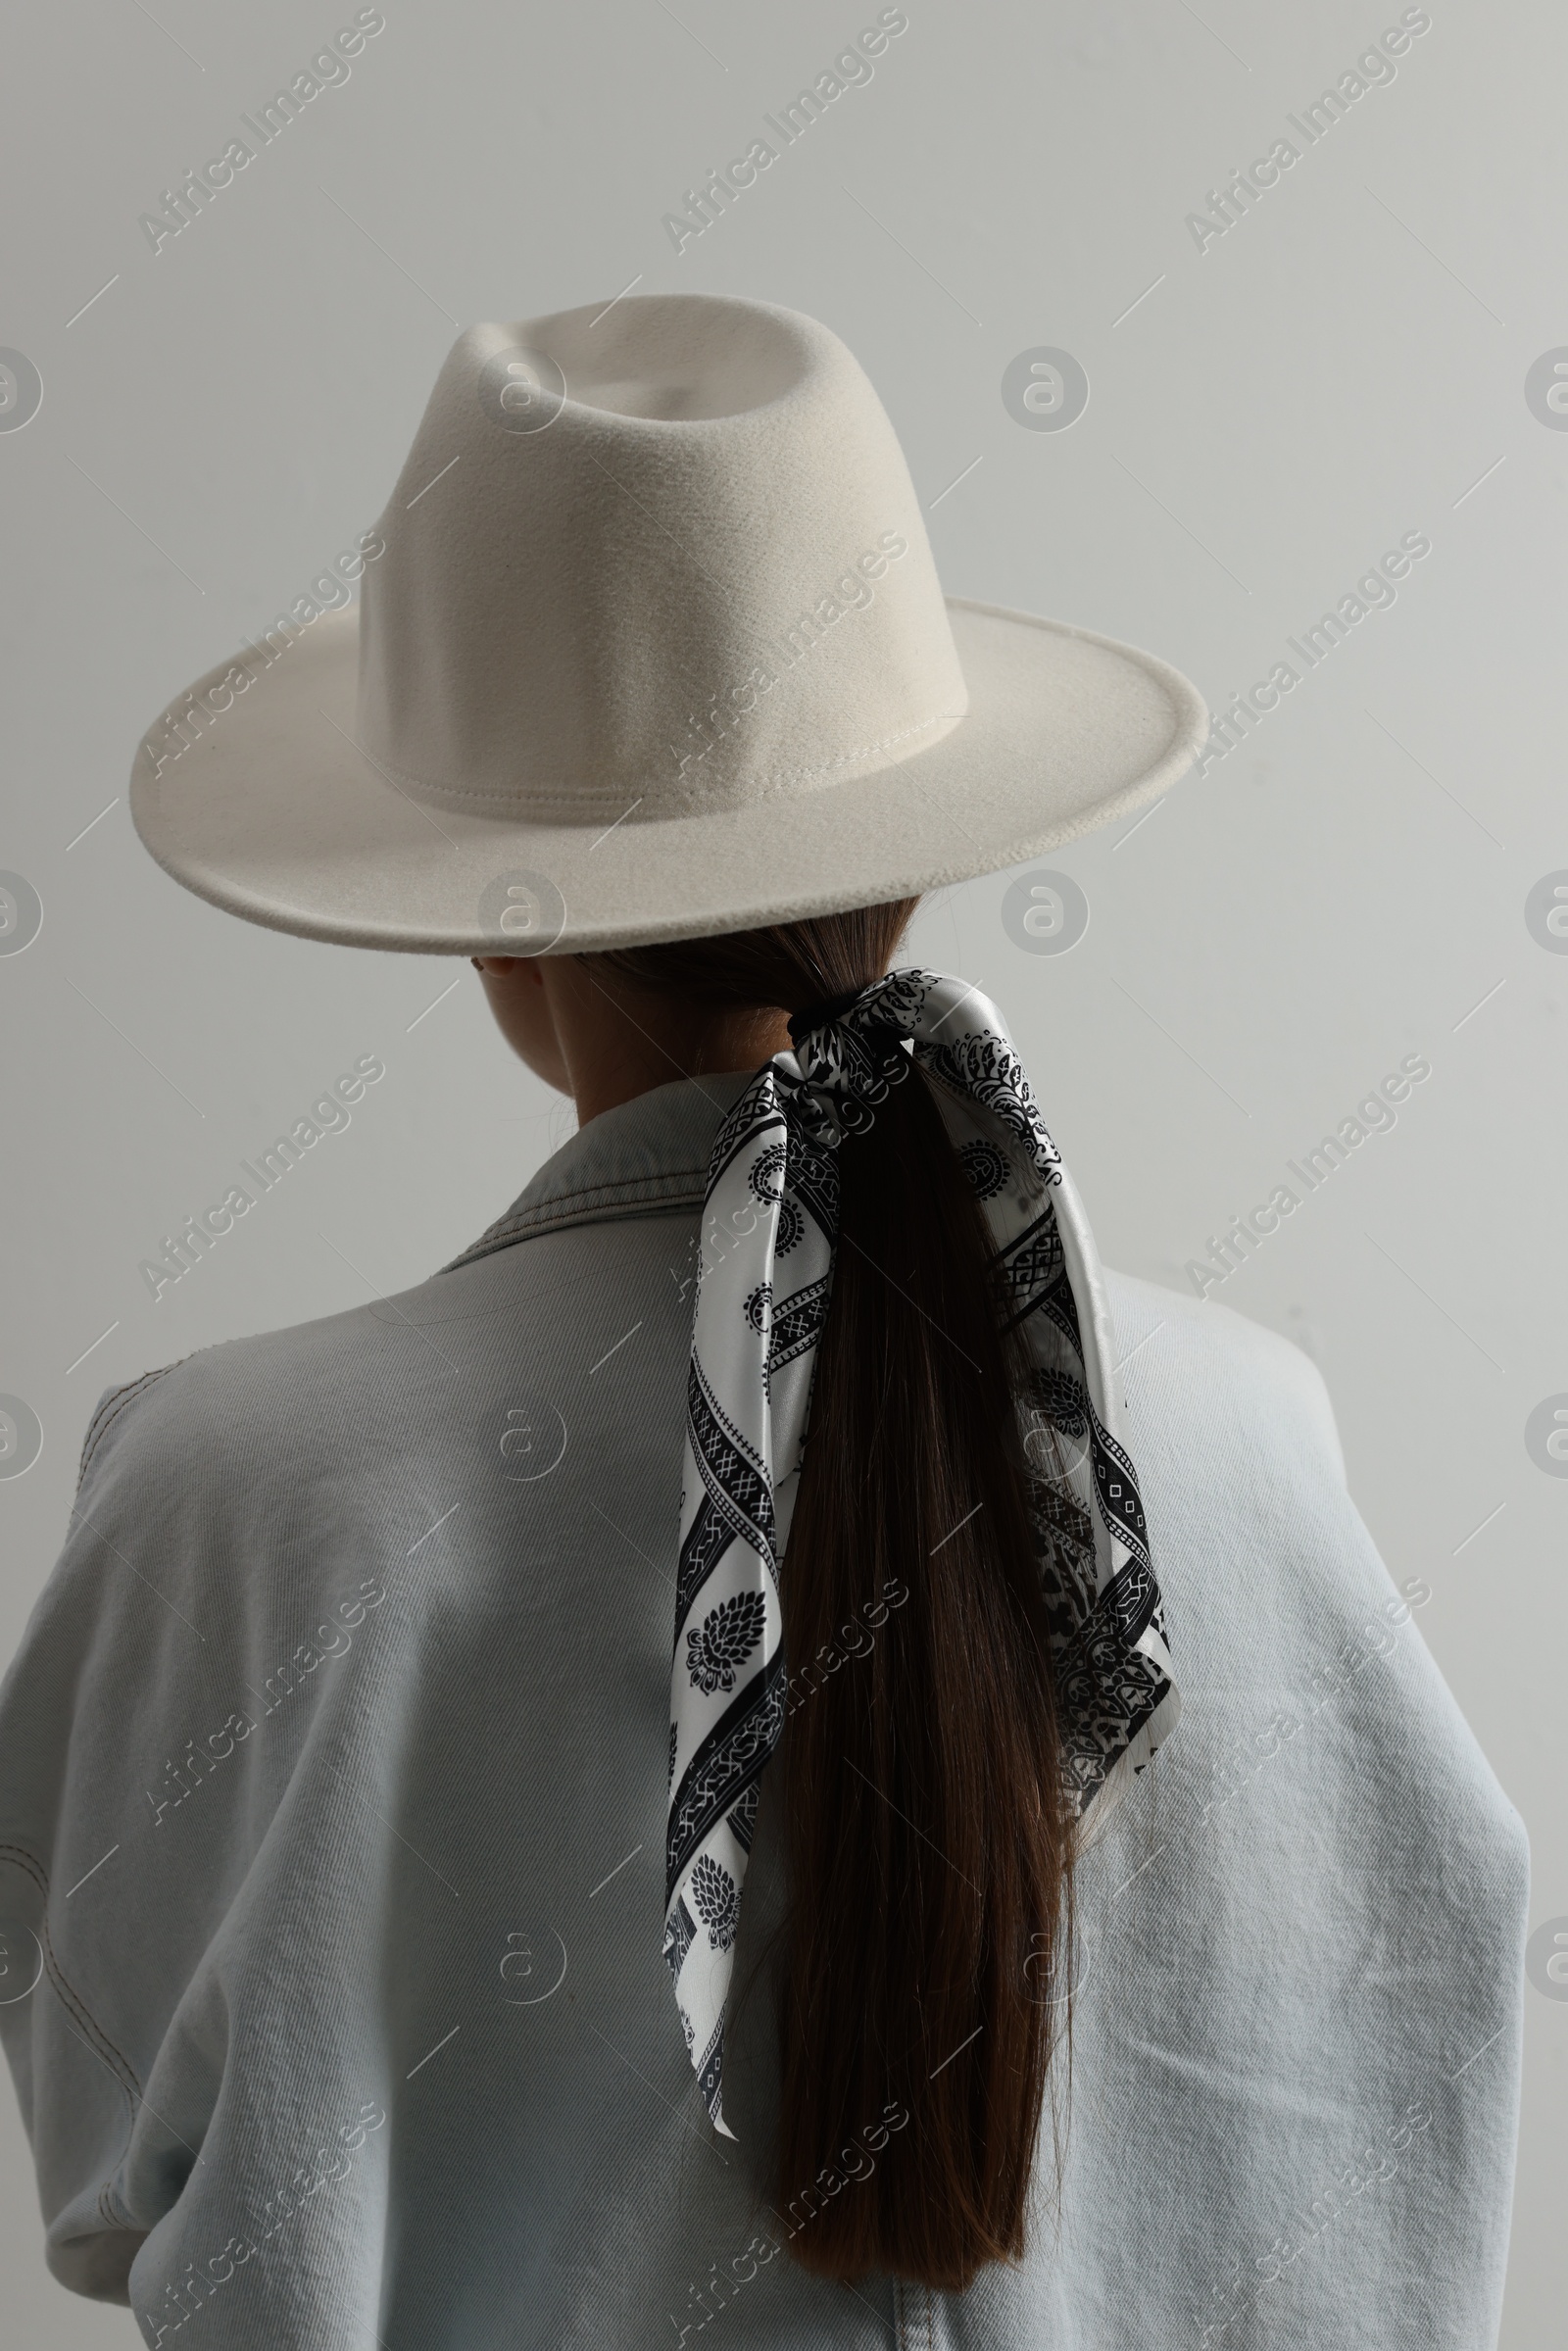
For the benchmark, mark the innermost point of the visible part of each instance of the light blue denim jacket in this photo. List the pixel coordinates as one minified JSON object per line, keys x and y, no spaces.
{"x":332,"y":1786}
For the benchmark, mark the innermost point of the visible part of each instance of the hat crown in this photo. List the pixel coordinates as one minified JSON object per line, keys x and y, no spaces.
{"x":657,"y":561}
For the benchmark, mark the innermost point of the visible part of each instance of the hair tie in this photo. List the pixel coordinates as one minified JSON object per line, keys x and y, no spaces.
{"x":817,"y":1017}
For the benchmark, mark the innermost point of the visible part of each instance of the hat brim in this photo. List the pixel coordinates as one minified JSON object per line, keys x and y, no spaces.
{"x":274,"y":814}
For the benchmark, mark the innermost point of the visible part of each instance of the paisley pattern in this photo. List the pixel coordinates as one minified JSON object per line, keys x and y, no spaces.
{"x":717,"y":1901}
{"x":772,"y":1192}
{"x":723,"y":1641}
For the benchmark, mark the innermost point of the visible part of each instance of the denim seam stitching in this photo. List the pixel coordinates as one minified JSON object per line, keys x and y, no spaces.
{"x":554,"y":1216}
{"x":124,"y":2072}
{"x":121,"y":1397}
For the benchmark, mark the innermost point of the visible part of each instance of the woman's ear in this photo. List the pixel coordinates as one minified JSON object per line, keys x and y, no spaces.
{"x":514,"y":987}
{"x":507,"y":968}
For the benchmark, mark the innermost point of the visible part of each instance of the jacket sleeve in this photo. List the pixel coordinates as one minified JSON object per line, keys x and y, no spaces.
{"x":198,"y":2094}
{"x":78,"y":2084}
{"x":1306,"y":2003}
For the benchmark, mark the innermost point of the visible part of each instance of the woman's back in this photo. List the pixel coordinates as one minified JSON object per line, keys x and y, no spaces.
{"x":356,"y":1675}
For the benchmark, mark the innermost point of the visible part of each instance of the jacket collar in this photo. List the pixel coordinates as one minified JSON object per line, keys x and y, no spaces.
{"x":650,"y":1152}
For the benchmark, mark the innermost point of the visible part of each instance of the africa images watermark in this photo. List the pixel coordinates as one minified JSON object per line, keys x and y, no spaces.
{"x":1373,"y":591}
{"x":858,"y":2162}
{"x":1326,"y":2207}
{"x":1229,"y":204}
{"x":201,"y":1758}
{"x":1235,"y":1771}
{"x":184,"y":1250}
{"x":200,"y":710}
{"x":798,"y":1685}
{"x":850,"y":68}
{"x":328,"y":69}
{"x":852,"y":592}
{"x":185,"y":2296}
{"x":1372,"y":1115}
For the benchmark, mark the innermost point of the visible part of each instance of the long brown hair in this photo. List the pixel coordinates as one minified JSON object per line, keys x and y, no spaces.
{"x":929,"y":1847}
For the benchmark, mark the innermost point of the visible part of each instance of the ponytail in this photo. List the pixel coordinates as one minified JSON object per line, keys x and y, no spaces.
{"x":928,"y":1839}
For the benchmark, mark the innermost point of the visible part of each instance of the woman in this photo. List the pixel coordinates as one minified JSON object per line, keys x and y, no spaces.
{"x":343,"y":1744}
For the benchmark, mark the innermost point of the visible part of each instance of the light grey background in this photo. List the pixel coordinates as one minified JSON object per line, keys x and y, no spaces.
{"x":1345,"y":365}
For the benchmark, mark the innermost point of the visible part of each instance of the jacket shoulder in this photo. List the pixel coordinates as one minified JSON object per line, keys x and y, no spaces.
{"x":1208,"y":1360}
{"x":236,"y":1416}
{"x":217,"y":1392}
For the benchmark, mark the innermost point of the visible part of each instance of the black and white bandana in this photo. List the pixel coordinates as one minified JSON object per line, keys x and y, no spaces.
{"x":769,"y":1230}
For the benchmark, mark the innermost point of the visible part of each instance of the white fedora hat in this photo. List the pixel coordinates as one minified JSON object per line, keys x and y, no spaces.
{"x":650,"y":645}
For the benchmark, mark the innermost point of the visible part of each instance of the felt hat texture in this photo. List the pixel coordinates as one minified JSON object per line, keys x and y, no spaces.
{"x":650,"y":645}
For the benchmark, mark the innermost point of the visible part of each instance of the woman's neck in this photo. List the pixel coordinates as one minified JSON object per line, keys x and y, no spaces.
{"x":615,"y":1046}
